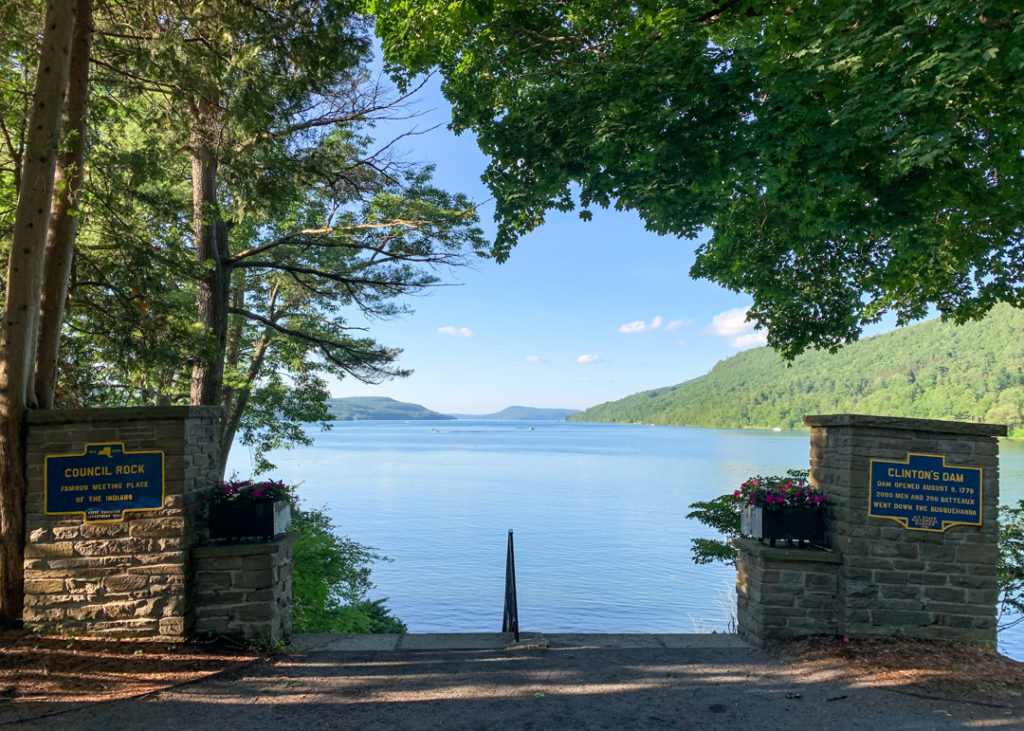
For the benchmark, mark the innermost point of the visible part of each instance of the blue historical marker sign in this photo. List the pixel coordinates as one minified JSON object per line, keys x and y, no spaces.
{"x":103,"y":482}
{"x":924,"y":493}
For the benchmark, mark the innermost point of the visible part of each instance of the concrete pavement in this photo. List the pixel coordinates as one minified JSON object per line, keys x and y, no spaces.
{"x":552,"y":681}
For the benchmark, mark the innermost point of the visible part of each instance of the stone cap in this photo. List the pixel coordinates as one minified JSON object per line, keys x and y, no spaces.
{"x":808,"y":554}
{"x":229,"y":550}
{"x":964,"y":428}
{"x":130,"y":413}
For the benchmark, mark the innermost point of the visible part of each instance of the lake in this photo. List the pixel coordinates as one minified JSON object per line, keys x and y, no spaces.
{"x":598,"y":511}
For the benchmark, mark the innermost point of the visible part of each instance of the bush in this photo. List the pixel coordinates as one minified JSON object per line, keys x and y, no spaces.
{"x":1011,"y":565}
{"x":331,"y":580}
{"x":723,"y":513}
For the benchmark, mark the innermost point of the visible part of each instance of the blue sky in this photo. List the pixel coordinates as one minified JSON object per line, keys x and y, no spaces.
{"x":582,"y":313}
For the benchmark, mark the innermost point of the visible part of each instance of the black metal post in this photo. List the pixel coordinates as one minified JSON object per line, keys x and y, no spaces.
{"x":510,"y":619}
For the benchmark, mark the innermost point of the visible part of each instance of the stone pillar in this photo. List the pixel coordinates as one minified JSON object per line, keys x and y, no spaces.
{"x":129,"y":577}
{"x":895,"y":580}
{"x":785,"y":592}
{"x":245,"y":590}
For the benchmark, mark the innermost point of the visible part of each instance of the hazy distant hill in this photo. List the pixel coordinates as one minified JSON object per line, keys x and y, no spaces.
{"x":931,"y":370}
{"x":358,"y":408}
{"x":523,"y":413}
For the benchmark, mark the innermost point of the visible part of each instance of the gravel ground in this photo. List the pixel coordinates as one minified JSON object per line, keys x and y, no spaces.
{"x":578,"y":681}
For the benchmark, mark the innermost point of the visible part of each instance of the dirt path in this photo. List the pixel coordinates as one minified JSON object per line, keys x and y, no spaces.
{"x":579,"y":681}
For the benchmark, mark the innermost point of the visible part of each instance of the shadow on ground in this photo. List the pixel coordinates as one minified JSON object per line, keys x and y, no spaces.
{"x":579,"y":681}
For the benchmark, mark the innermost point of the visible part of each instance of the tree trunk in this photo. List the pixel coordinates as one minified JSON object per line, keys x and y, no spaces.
{"x":241,"y":399}
{"x":233,"y":349}
{"x":235,"y":400}
{"x":211,"y":249}
{"x":19,"y":328}
{"x":60,"y":240}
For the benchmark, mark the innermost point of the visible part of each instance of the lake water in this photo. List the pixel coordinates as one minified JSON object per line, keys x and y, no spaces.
{"x":599,"y":513}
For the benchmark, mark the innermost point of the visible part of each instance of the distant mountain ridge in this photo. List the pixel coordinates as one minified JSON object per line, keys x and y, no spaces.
{"x":523,"y":413}
{"x":935,"y":370}
{"x":369,"y":408}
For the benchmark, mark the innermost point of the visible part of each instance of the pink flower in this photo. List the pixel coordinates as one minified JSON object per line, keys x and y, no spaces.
{"x":736,"y":493}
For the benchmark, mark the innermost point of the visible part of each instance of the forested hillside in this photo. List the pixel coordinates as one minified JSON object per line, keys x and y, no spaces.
{"x":359,"y":408}
{"x":523,"y":413}
{"x":931,"y":370}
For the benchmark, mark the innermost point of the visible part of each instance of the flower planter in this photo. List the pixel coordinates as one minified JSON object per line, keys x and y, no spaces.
{"x":236,"y":520}
{"x":787,"y":523}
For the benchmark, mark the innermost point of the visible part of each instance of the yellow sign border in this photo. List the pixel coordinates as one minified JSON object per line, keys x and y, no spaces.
{"x":125,"y":511}
{"x":905,"y":521}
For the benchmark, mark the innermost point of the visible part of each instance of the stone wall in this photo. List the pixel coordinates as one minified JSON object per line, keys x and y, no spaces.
{"x":128,"y":578}
{"x":245,"y":590}
{"x":785,"y":592}
{"x":889,"y":579}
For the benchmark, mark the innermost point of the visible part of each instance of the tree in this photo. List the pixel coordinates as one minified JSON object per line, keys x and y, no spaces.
{"x":64,"y":214}
{"x":850,"y":157}
{"x":269,"y":209}
{"x":260,"y":106}
{"x":19,"y":328}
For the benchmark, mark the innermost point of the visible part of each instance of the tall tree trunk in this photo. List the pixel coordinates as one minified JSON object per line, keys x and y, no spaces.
{"x":241,"y":399}
{"x":211,"y":249}
{"x":19,"y":328}
{"x":235,"y":400}
{"x":233,"y":349}
{"x":60,"y":240}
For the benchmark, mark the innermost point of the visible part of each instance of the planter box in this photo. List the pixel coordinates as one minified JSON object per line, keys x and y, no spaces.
{"x":234,"y":521}
{"x":791,"y":524}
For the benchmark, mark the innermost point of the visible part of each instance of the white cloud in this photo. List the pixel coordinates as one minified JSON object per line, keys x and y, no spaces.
{"x":588,"y":358}
{"x":535,"y":359}
{"x":676,"y":324}
{"x":730,"y":323}
{"x":639,"y":326}
{"x":683,"y":343}
{"x":460,"y":332}
{"x":750,"y":340}
{"x":733,"y":326}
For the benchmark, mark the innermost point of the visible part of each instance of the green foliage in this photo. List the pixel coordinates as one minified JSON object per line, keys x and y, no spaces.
{"x":934,"y":370}
{"x":325,"y":229}
{"x":723,"y":513}
{"x":850,"y":157}
{"x":331,"y":578}
{"x":1011,"y":564}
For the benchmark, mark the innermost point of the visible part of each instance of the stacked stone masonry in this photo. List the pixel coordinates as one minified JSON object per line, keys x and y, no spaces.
{"x":245,"y":590}
{"x":130,"y":578}
{"x":783,"y":593}
{"x":888,"y":580}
